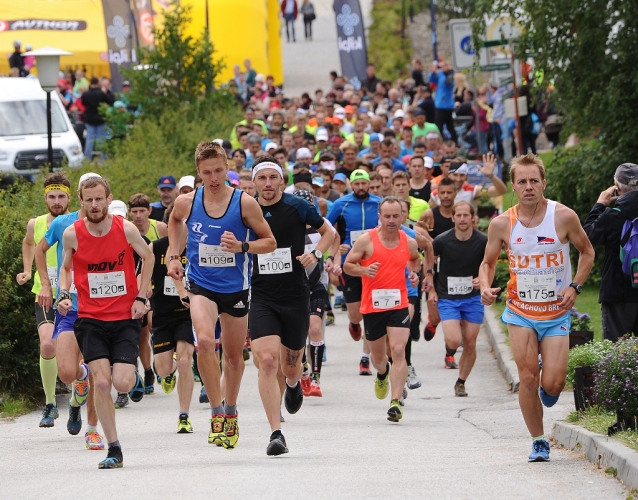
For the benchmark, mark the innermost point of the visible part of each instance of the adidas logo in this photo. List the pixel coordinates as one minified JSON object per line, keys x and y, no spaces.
{"x":239,"y":305}
{"x":267,"y":214}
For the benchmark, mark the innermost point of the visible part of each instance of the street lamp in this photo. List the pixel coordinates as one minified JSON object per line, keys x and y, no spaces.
{"x":48,"y":64}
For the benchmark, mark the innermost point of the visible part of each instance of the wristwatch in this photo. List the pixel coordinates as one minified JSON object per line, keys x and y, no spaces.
{"x":245,"y":247}
{"x":174,"y":257}
{"x":318,"y":255}
{"x":577,"y":287}
{"x":430,"y":271}
{"x":143,"y":300}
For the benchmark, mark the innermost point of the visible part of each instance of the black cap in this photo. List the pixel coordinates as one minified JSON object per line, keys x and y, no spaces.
{"x":627,"y":174}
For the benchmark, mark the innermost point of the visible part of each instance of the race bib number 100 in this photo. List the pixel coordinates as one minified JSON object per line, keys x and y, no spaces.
{"x":277,"y":262}
{"x":214,"y":256}
{"x":536,"y":288}
{"x":107,"y":285}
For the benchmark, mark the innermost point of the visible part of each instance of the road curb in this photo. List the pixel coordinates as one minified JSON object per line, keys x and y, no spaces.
{"x":601,"y":450}
{"x":502,"y":351}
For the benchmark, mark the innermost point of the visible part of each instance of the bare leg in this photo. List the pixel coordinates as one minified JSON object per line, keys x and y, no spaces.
{"x":266,"y":349}
{"x":399,"y":374}
{"x":185,"y":381}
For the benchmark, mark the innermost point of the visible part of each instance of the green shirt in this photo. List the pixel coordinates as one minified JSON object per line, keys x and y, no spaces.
{"x":422,"y":132}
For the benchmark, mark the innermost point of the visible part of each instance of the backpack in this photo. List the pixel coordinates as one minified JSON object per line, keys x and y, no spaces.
{"x":629,"y":250}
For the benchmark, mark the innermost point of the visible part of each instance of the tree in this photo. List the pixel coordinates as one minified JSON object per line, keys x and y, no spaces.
{"x":456,"y":9}
{"x":179,"y":69}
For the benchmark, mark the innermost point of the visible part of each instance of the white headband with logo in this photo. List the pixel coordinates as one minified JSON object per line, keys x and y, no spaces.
{"x":265,"y":165}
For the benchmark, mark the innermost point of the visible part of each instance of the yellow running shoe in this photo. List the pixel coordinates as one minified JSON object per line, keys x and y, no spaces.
{"x":381,"y":387}
{"x":231,"y":431}
{"x":168,"y":383}
{"x":184,"y":424}
{"x":394,"y":413}
{"x":216,"y":434}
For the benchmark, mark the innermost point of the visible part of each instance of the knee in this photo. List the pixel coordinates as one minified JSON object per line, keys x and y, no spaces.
{"x":206,"y":344}
{"x":184,"y":364}
{"x":233,"y":361}
{"x":469,"y":345}
{"x":529,"y":379}
{"x":47,"y":349}
{"x":67,"y":375}
{"x":398,"y":353}
{"x":103,"y":384}
{"x":268,"y":364}
{"x":553,"y":386}
{"x":453,"y":342}
{"x":314,"y":332}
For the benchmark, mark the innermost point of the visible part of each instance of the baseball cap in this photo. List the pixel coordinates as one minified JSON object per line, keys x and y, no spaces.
{"x":428,"y":162}
{"x":270,"y":145}
{"x":335,"y":139}
{"x":627,"y":174}
{"x":340,"y":113}
{"x":305,"y":195}
{"x":118,"y":207}
{"x":61,"y":82}
{"x":340,"y":178}
{"x":349,"y":109}
{"x":166,"y":181}
{"x":86,"y":176}
{"x":322,"y":134}
{"x":303,"y":153}
{"x":431,"y":135}
{"x":186,"y":181}
{"x":318,"y":181}
{"x":359,"y":174}
{"x":459,"y":168}
{"x":233,"y":177}
{"x":419,"y":112}
{"x":406,"y":158}
{"x":399,"y":113}
{"x":219,"y":141}
{"x":374,"y":137}
{"x":17,"y":44}
{"x":126,"y":83}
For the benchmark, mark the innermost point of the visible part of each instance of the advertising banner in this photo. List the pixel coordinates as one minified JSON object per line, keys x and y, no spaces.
{"x":352,"y":41}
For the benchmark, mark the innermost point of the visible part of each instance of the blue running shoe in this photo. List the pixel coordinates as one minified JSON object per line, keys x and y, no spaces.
{"x":74,"y":424}
{"x":547,"y":399}
{"x":137,"y":392}
{"x":48,"y":415}
{"x":203,"y":396}
{"x":540,"y":451}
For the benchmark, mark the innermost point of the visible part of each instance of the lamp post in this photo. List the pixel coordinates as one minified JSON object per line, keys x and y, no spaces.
{"x":48,"y":64}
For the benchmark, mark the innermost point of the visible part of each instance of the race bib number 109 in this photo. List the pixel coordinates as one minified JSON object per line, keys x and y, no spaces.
{"x":214,"y":256}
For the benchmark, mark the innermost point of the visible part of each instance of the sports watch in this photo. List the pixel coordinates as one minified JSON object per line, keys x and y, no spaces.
{"x":577,"y":287}
{"x":245,"y":247}
{"x":318,"y":255}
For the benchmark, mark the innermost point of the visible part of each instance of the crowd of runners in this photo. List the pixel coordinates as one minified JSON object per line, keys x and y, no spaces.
{"x":296,"y":213}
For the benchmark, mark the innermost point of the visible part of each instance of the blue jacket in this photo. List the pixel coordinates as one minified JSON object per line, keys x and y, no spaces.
{"x":444,"y":98}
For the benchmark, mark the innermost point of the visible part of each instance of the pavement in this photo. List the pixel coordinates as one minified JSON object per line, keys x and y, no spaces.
{"x":341,"y":445}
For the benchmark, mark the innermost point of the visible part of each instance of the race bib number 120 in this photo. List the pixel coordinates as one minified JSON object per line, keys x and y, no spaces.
{"x":107,"y":285}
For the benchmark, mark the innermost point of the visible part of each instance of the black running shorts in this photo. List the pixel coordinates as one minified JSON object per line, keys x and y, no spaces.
{"x":234,"y":304}
{"x":351,"y":287}
{"x":166,"y":332}
{"x":42,"y":317}
{"x":117,"y":341}
{"x":376,"y":324}
{"x":318,"y":301}
{"x":289,"y":321}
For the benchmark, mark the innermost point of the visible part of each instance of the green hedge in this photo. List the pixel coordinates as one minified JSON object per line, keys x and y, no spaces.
{"x":154,"y":148}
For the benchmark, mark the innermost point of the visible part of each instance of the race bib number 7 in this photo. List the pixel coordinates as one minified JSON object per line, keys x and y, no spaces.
{"x":107,"y":285}
{"x":536,"y":288}
{"x":215,"y":256}
{"x":386,"y":298}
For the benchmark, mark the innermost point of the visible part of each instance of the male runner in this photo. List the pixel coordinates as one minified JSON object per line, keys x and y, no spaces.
{"x":166,"y":188}
{"x":380,"y":257}
{"x":280,"y":294}
{"x":352,"y":215}
{"x":540,"y":293}
{"x":68,"y":355}
{"x":217,"y":220}
{"x":401,"y":189}
{"x":100,"y":248}
{"x":460,"y":252}
{"x":57,"y":194}
{"x":421,"y":177}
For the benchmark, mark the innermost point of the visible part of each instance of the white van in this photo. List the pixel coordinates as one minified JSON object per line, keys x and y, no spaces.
{"x":23,"y":129}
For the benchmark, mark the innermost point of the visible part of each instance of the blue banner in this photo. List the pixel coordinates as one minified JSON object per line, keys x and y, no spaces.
{"x":351,"y":40}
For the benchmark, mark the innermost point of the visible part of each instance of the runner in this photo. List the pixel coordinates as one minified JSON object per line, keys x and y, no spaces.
{"x":380,"y":257}
{"x":420,"y":177}
{"x":457,"y":292}
{"x":540,"y":293}
{"x":401,"y":189}
{"x":71,"y":368}
{"x":100,"y":248}
{"x":140,"y":210}
{"x":280,"y":293}
{"x":217,"y":219}
{"x":57,"y":195}
{"x":352,"y":215}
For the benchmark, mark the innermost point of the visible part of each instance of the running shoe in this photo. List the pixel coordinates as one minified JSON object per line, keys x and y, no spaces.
{"x":429,"y":332}
{"x":168,"y":382}
{"x":364,"y":367}
{"x":149,"y":389}
{"x":277,"y":445}
{"x":203,"y":396}
{"x":93,"y":440}
{"x":231,"y":432}
{"x":355,"y":331}
{"x":459,"y":390}
{"x":281,"y":417}
{"x":149,"y":379}
{"x":137,"y":392}
{"x":381,"y":387}
{"x":247,"y":342}
{"x":246,"y":354}
{"x":216,"y":434}
{"x":324,"y":357}
{"x":540,"y":451}
{"x":344,"y":306}
{"x":413,"y":380}
{"x":122,"y":400}
{"x":81,"y":391}
{"x":330,"y":319}
{"x":305,"y":384}
{"x":74,"y":424}
{"x":394,"y":413}
{"x":338,"y":301}
{"x":113,"y":460}
{"x":315,"y":387}
{"x":49,"y":414}
{"x":450,"y":364}
{"x":293,"y":398}
{"x":404,"y":394}
{"x":547,"y":399}
{"x":184,"y":424}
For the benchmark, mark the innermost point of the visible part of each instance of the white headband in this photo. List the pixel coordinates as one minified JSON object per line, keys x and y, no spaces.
{"x":265,"y":165}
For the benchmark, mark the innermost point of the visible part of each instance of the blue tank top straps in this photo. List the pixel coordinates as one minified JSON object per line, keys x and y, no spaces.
{"x":208,"y":265}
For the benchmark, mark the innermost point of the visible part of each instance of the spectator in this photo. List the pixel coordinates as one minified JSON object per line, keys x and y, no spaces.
{"x":527,"y":122}
{"x":29,"y":61}
{"x":166,"y":188}
{"x":93,"y":121}
{"x":443,"y":77}
{"x":604,"y":226}
{"x":370,"y":81}
{"x":417,"y":73}
{"x":80,"y":81}
{"x":421,"y":128}
{"x":460,"y":86}
{"x":289,"y":11}
{"x":65,"y":96}
{"x":385,"y":154}
{"x":251,"y":74}
{"x":426,"y":103}
{"x":16,"y":59}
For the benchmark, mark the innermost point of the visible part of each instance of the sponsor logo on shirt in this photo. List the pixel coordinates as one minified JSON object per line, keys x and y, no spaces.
{"x":545,"y":240}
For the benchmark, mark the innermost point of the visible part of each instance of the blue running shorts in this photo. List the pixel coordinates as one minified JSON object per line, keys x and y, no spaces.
{"x":469,"y":309}
{"x":558,"y":327}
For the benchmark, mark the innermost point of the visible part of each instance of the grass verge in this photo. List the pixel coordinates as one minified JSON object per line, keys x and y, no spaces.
{"x":12,"y":407}
{"x":389,"y":52}
{"x":597,"y":420}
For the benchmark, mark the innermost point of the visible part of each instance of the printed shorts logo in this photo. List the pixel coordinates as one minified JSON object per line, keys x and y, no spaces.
{"x":42,"y":25}
{"x":239,"y":305}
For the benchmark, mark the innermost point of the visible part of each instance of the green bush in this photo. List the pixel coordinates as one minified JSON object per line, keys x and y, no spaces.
{"x":616,"y":378}
{"x":587,"y":355}
{"x":389,"y":52}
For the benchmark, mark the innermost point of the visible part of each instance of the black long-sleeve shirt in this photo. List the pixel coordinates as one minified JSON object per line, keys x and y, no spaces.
{"x":92,"y":99}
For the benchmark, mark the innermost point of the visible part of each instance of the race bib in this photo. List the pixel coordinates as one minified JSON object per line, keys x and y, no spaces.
{"x":386,"y":299}
{"x":169,"y":287}
{"x":310,"y":248}
{"x":540,"y":288}
{"x":107,"y":285}
{"x":354,"y":235}
{"x":277,"y":262}
{"x":215,"y":256}
{"x":459,"y":286}
{"x":52,"y":271}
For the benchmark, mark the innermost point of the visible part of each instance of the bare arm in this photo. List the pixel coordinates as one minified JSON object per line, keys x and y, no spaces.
{"x":254,"y":218}
{"x":177,"y":232}
{"x":499,"y":187}
{"x":45,"y":298}
{"x":28,"y":253}
{"x":327,"y":239}
{"x":352,"y":265}
{"x":495,"y":241}
{"x":162,"y":229}
{"x":145,"y":253}
{"x":69,"y":243}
